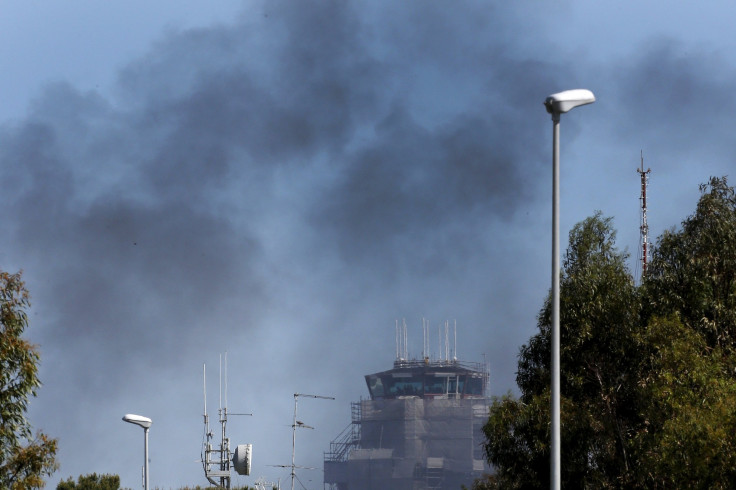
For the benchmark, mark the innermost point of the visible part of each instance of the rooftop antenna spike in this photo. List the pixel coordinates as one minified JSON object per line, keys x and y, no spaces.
{"x":406,"y":337}
{"x":400,"y":339}
{"x":406,"y":340}
{"x":429,"y":339}
{"x":424,"y":339}
{"x":447,"y":341}
{"x":225,"y":380}
{"x":204,"y":386}
{"x":404,"y":347}
{"x":439,"y":342}
{"x":443,"y":343}
{"x":454,"y":357}
{"x":425,"y":345}
{"x":397,"y":340}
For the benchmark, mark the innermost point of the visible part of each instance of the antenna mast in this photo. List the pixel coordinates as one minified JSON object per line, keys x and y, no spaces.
{"x":300,"y":424}
{"x":217,"y":463}
{"x":644,"y":226}
{"x":425,"y":346}
{"x":454,"y":355}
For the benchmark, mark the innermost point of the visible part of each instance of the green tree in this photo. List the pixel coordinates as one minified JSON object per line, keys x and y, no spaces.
{"x":91,"y":482}
{"x":598,"y":314}
{"x":693,"y":271}
{"x":688,"y":403}
{"x":24,"y":459}
{"x":688,"y":373}
{"x":648,"y":374}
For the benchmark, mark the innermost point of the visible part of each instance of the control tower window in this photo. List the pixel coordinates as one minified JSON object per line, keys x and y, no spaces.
{"x":474,"y":386}
{"x":461,"y":383}
{"x":435,"y":385}
{"x":375,"y":386}
{"x":404,"y":386}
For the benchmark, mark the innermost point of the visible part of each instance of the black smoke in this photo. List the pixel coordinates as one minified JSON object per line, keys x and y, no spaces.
{"x":284,"y":187}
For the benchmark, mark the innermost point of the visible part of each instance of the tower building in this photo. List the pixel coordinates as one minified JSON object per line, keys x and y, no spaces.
{"x":420,"y":428}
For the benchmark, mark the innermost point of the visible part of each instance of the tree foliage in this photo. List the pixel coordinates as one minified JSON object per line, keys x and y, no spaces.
{"x":24,"y":459}
{"x":688,"y":406}
{"x":693,"y":271}
{"x":94,"y":481}
{"x":91,"y":482}
{"x":648,"y":378}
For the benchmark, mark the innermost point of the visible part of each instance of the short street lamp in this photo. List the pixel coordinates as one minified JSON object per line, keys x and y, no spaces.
{"x":557,"y":104}
{"x":144,"y":422}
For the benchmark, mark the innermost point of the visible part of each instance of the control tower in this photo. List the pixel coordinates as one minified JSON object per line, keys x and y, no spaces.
{"x":421,"y":429}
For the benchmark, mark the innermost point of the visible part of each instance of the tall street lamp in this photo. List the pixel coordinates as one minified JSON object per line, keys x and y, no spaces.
{"x":557,"y":104}
{"x":144,"y":422}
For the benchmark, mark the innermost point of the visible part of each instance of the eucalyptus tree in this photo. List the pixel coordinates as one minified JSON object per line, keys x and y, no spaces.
{"x":24,"y":458}
{"x":599,"y":316}
{"x":648,"y":373}
{"x":688,"y":349}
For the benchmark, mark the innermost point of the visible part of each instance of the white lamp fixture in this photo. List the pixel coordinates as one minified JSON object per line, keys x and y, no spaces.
{"x":557,"y":104}
{"x":562,"y":102}
{"x":144,"y":422}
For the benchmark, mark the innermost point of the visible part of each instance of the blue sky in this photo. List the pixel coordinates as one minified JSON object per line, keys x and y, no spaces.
{"x":282,"y":181}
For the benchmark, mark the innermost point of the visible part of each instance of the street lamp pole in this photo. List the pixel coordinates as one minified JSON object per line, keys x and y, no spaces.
{"x":145,"y":457}
{"x":144,"y":422}
{"x":556,"y":459}
{"x":557,"y":104}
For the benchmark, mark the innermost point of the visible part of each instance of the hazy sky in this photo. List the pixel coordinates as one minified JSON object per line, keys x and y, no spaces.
{"x":284,"y":180}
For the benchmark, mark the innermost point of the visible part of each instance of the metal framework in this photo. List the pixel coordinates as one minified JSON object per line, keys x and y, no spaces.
{"x":644,"y":226}
{"x":217,"y":462}
{"x":301,"y":425}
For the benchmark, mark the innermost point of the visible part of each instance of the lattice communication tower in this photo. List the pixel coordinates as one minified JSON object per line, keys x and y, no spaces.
{"x":644,"y":226}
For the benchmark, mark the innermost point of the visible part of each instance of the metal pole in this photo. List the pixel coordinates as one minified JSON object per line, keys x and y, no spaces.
{"x":557,"y":104}
{"x":555,"y":463}
{"x":293,"y":432}
{"x":145,"y":458}
{"x":293,"y":443}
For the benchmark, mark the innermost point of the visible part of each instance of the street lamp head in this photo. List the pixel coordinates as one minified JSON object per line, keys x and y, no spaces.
{"x":562,"y":102}
{"x":144,"y":422}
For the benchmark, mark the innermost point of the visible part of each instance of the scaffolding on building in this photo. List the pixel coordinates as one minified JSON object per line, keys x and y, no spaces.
{"x":421,"y":428}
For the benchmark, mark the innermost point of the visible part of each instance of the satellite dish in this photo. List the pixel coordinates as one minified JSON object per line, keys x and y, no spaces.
{"x":242,"y":458}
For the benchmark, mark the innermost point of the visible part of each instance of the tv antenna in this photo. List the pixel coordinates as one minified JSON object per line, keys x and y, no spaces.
{"x":301,"y":425}
{"x":217,"y":463}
